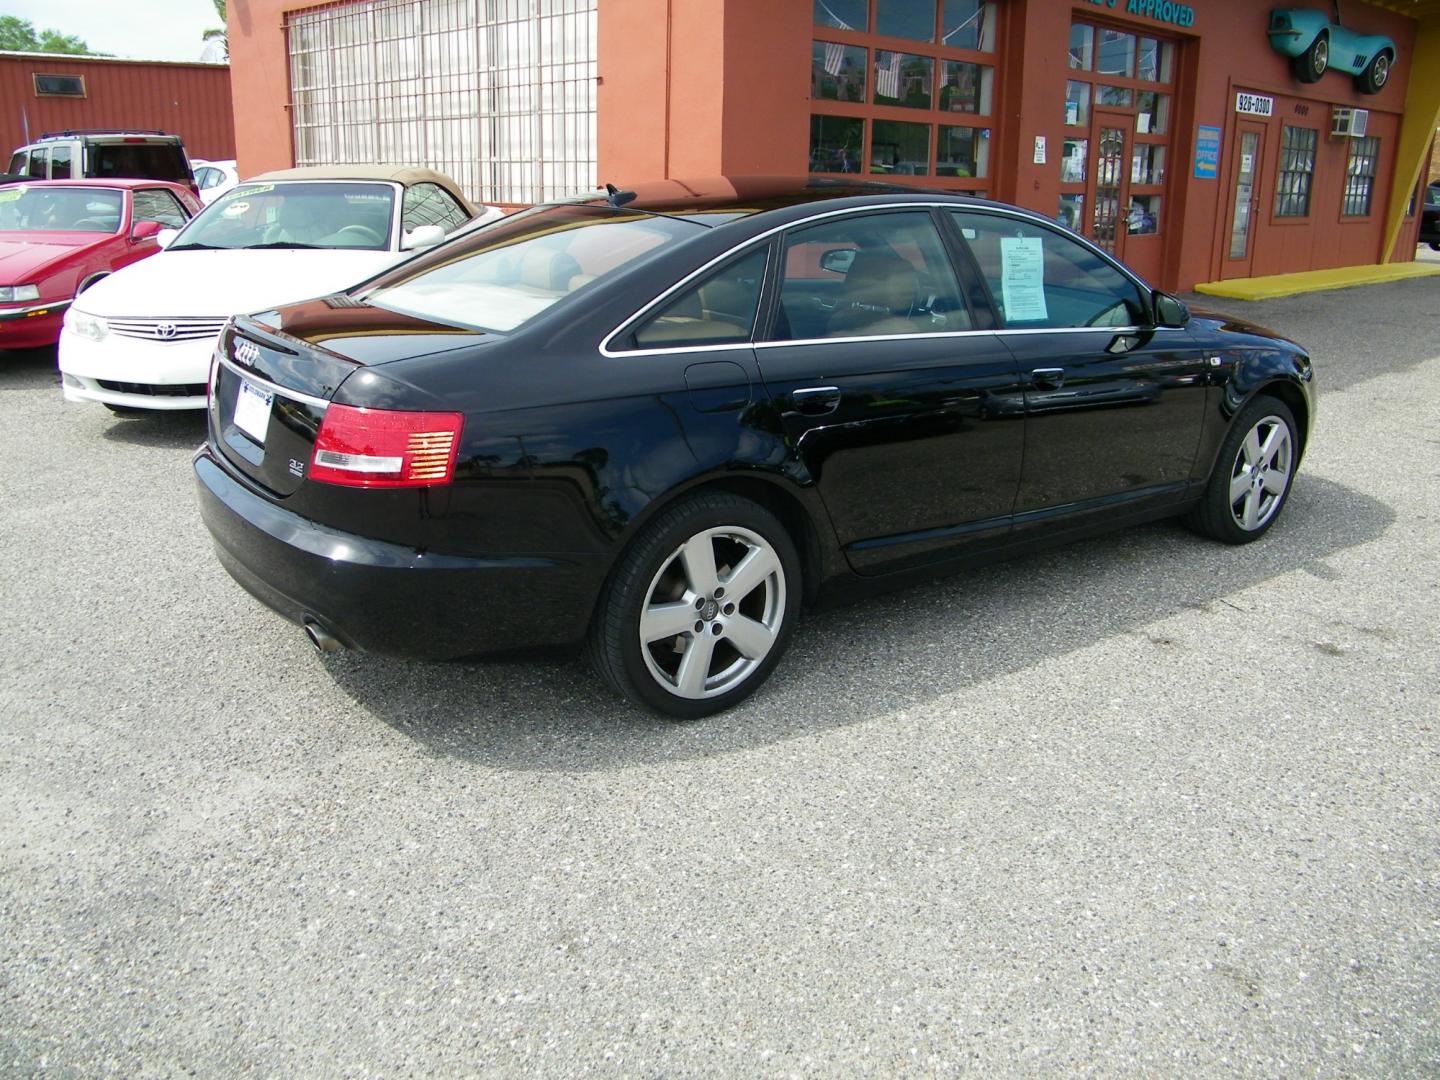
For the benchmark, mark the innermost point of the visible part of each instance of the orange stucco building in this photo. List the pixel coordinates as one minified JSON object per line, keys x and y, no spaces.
{"x":1174,"y":134}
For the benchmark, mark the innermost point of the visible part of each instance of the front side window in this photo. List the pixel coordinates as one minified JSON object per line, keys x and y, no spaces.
{"x":60,"y":163}
{"x":312,"y":214}
{"x":507,"y":273}
{"x":430,"y":204}
{"x":1297,"y":169}
{"x":718,"y":311}
{"x":866,"y":276}
{"x":60,"y":209}
{"x":1042,"y":279}
{"x":1360,"y":176}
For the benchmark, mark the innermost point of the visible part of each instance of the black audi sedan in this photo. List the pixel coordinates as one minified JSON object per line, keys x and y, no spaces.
{"x":663,"y":421}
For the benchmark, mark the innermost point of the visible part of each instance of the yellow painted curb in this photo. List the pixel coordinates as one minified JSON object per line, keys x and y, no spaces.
{"x":1345,"y":277}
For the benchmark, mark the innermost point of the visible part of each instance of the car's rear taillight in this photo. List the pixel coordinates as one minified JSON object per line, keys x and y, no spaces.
{"x":385,"y":448}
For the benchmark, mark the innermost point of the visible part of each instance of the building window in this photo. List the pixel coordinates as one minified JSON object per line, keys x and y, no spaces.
{"x":1297,"y":169}
{"x":1360,"y":176}
{"x":835,"y":144}
{"x":59,"y":85}
{"x":837,"y":72}
{"x":946,"y":82}
{"x":843,"y":14}
{"x":501,"y":97}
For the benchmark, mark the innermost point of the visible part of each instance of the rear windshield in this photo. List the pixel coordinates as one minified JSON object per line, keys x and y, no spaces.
{"x":60,"y":209}
{"x":504,"y":274}
{"x":144,"y":161}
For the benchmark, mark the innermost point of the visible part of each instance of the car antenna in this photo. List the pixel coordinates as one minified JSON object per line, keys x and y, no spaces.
{"x":615,"y":197}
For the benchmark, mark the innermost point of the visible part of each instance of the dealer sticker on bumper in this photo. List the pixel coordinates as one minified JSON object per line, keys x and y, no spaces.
{"x":252,"y":411}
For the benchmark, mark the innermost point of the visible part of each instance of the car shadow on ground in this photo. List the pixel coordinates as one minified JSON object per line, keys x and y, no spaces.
{"x":863,"y":660}
{"x":29,"y":369}
{"x":170,"y":430}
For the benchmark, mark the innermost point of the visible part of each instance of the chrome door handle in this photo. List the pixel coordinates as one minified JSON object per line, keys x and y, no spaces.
{"x":1047,"y":378}
{"x":815,"y":400}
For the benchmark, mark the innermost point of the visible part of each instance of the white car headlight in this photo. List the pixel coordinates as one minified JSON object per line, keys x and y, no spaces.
{"x":83,"y":324}
{"x":19,"y":292}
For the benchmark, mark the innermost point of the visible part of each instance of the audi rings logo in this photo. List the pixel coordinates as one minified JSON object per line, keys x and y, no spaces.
{"x":247,"y":353}
{"x":166,"y":331}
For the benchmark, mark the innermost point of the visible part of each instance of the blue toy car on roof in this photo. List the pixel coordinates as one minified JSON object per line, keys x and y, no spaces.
{"x":1316,"y":44}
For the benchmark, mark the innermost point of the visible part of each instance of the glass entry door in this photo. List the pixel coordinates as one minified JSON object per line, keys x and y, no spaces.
{"x":1244,"y":199}
{"x":1110,"y":195}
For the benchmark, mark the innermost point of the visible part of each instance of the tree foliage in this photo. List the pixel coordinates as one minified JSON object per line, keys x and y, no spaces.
{"x":218,"y":34}
{"x":20,"y":35}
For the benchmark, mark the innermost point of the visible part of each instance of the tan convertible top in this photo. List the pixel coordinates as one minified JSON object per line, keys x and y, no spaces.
{"x":407,"y":175}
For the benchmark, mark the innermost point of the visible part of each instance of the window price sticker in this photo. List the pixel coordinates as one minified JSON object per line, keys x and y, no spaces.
{"x":1254,"y":104}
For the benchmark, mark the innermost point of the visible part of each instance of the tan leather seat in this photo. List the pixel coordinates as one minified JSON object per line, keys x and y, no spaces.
{"x":880,"y":294}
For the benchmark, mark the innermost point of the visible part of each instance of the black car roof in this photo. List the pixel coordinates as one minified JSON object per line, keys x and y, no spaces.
{"x":718,"y":199}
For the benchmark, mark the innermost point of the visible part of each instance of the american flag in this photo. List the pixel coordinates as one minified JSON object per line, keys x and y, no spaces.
{"x":887,"y":75}
{"x":834,"y":58}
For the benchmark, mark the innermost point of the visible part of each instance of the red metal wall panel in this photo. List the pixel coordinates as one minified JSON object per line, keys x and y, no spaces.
{"x":189,"y":100}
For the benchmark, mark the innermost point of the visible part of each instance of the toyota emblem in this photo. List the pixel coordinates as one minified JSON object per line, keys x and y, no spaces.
{"x":166,"y":330}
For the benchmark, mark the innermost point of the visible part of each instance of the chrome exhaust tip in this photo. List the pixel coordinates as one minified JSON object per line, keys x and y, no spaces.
{"x":322,"y":639}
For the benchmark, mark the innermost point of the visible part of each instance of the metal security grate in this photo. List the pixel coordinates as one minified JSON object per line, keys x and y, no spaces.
{"x":499,"y":94}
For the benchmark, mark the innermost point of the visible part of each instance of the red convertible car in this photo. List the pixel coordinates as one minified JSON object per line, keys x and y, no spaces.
{"x":58,"y":237}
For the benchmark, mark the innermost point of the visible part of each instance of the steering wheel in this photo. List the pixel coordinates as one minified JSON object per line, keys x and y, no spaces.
{"x":93,"y":224}
{"x":369,"y":235}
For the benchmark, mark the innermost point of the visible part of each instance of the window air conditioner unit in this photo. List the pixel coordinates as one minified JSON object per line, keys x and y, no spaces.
{"x":1349,"y":123}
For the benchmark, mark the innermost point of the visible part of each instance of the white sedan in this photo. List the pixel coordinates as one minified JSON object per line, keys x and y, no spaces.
{"x":142,"y":338}
{"x":213,"y":178}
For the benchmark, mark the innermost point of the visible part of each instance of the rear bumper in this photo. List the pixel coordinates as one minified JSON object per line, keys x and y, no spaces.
{"x":388,"y":598}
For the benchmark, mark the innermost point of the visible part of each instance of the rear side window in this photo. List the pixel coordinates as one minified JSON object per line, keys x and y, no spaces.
{"x":152,"y":204}
{"x":18,"y":163}
{"x":718,"y":311}
{"x":38,"y":161}
{"x":430,"y":204}
{"x":1040,"y":278}
{"x":143,"y":161}
{"x":869,"y":275}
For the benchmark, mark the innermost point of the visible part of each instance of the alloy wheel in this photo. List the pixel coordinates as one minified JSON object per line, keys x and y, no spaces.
{"x":1261,"y":473}
{"x":713,"y":612}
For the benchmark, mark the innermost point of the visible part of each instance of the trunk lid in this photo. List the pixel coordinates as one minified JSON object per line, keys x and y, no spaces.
{"x":274,"y":375}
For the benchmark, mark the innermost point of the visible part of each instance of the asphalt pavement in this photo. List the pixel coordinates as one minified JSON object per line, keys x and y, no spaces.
{"x":1141,"y":806}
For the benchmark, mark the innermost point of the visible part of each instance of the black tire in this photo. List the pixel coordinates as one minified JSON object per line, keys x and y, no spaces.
{"x":124,"y":410}
{"x":652,"y":576}
{"x":1311,"y":65}
{"x":1224,"y":511}
{"x":1435,"y":245}
{"x":1376,"y":74}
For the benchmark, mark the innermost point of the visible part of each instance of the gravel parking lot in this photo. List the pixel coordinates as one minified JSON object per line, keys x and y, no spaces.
{"x":1141,"y":806}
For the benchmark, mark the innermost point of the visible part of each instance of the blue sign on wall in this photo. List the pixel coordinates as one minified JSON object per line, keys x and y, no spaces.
{"x":1207,"y":153}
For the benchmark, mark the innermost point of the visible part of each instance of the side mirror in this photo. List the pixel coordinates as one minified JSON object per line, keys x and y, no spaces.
{"x":838,"y":260}
{"x":423,"y":236}
{"x":144,"y":230}
{"x":1170,"y":311}
{"x":166,"y":237}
